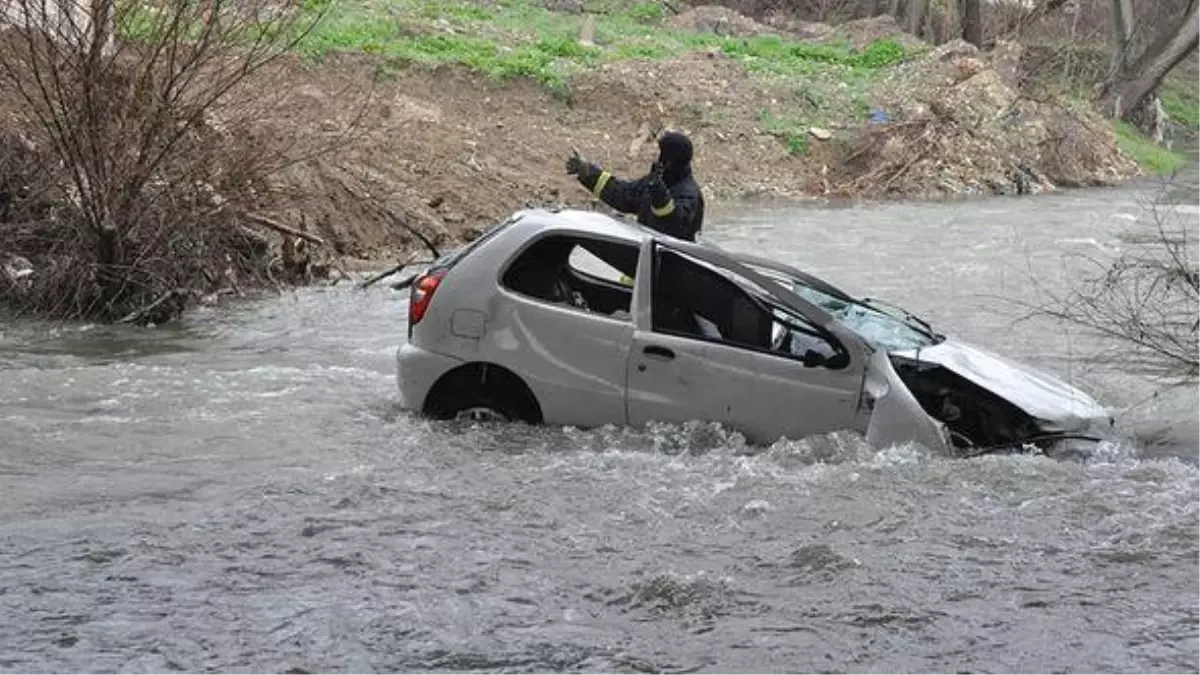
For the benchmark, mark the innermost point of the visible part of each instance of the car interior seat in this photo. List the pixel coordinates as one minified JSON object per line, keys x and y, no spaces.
{"x":542,"y":273}
{"x":751,"y":326}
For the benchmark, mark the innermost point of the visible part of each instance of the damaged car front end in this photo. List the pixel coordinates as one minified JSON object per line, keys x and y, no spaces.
{"x":992,"y":404}
{"x":924,"y":387}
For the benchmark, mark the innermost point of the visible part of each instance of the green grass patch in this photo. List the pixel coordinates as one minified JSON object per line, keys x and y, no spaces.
{"x":1180,"y":95}
{"x":1150,"y":155}
{"x":520,"y":38}
{"x":792,"y":131}
{"x":774,"y":55}
{"x":822,"y":102}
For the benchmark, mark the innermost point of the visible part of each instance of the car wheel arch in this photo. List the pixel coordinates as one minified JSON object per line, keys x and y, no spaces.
{"x":482,"y":381}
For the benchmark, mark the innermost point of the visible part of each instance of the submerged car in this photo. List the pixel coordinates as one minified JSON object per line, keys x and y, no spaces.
{"x":573,"y":318}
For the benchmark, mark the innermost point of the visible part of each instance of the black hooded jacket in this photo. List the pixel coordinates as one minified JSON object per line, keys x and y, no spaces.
{"x":669,"y":202}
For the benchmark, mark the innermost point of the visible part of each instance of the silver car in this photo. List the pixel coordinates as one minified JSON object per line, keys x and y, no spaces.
{"x":573,"y":318}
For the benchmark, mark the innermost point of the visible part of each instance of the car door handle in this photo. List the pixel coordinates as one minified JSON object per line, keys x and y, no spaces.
{"x":660,"y":352}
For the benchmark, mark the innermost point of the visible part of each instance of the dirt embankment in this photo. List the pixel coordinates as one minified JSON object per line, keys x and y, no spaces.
{"x":449,"y":151}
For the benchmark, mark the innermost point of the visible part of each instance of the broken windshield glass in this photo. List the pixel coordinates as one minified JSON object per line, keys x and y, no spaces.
{"x":880,"y":329}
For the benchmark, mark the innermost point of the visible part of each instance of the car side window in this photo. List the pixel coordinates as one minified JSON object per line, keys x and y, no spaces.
{"x":694,"y":299}
{"x":575,"y":271}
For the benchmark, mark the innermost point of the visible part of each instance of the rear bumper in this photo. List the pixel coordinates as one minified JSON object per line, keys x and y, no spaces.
{"x":417,"y":370}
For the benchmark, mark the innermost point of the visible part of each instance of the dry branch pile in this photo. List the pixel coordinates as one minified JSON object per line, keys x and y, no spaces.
{"x":959,"y":124}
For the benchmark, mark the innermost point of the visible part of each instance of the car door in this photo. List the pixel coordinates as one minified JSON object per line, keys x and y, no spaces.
{"x":718,"y":365}
{"x":573,"y":359}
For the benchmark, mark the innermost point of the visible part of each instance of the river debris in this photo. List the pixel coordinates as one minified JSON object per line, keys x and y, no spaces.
{"x":14,"y":269}
{"x":387,"y":273}
{"x":956,"y":123}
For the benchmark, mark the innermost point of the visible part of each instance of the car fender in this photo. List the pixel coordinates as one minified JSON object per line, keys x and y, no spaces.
{"x":896,"y":416}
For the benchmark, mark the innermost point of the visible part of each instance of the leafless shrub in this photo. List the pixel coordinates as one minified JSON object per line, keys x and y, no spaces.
{"x":143,"y":160}
{"x":832,"y":11}
{"x":1142,"y":304}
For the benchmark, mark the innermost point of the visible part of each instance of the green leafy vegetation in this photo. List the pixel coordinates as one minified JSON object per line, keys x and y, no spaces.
{"x":519,"y":38}
{"x":1180,"y":94}
{"x":790,"y":130}
{"x":1150,"y":155}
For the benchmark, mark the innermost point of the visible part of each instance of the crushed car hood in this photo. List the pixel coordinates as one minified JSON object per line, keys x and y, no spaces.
{"x":1039,"y":394}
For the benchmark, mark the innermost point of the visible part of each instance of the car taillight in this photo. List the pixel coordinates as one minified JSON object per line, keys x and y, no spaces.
{"x":422,"y":293}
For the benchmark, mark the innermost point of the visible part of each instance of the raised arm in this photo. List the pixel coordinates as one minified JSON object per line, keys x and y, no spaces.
{"x":622,"y":195}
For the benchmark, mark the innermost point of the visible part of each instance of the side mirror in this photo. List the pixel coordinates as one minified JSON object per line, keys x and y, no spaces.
{"x":838,"y":361}
{"x":813,"y":359}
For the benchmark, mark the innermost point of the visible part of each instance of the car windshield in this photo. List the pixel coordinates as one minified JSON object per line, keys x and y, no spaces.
{"x":880,"y":329}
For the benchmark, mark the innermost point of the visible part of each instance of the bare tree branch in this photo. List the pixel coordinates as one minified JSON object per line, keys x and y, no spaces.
{"x":1143,"y":304}
{"x":144,"y":195}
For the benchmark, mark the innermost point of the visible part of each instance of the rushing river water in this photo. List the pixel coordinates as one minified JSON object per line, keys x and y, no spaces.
{"x":241,"y":493}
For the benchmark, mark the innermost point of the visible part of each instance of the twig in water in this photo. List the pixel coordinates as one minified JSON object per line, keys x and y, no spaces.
{"x":401,"y":285}
{"x":383,"y":275}
{"x":139,"y":313}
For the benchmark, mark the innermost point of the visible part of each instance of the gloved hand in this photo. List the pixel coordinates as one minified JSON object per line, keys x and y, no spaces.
{"x":575,"y":164}
{"x":659,"y":195}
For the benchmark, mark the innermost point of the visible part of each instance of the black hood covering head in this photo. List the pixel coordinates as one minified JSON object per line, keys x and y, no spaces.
{"x":675,"y":155}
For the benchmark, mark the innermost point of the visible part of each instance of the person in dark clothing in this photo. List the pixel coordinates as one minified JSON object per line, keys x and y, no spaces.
{"x":667,"y":199}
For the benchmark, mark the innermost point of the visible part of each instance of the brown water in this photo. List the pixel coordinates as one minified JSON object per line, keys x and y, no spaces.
{"x":240,"y":493}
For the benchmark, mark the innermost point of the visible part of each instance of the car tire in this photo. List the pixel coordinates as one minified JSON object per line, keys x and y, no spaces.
{"x":483,"y":411}
{"x":487,"y":406}
{"x":482,"y":392}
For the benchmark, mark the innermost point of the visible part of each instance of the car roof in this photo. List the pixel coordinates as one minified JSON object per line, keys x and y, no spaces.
{"x":587,"y":222}
{"x":597,"y":223}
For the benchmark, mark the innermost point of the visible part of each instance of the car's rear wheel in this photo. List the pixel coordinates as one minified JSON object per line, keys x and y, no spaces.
{"x":483,"y":412}
{"x":482,"y":392}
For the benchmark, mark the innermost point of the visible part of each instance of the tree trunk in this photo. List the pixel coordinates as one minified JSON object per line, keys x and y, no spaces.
{"x":1134,"y":83}
{"x":916,"y":16}
{"x":951,"y":26}
{"x":972,"y":22}
{"x":1122,"y":33}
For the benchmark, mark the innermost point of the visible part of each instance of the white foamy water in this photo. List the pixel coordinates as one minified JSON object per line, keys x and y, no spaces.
{"x":242,"y":494}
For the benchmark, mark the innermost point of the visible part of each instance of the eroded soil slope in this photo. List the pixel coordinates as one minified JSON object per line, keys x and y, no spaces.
{"x":449,"y":151}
